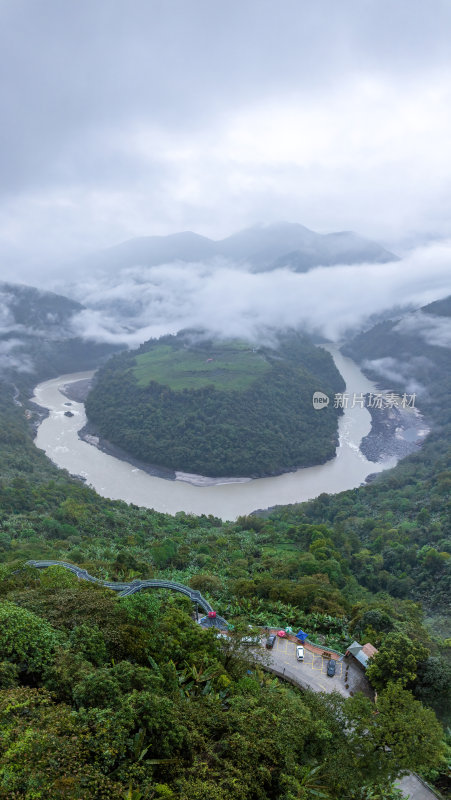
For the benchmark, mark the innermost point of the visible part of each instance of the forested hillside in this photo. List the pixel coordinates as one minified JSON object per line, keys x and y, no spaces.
{"x":140,"y":700}
{"x":103,"y":697}
{"x":38,"y":339}
{"x":412,"y":354}
{"x":219,"y":408}
{"x":403,"y":519}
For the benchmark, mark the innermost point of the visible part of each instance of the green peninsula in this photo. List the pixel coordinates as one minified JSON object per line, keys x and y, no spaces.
{"x":219,"y":408}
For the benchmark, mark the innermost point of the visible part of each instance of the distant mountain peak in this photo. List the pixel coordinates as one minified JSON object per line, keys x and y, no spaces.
{"x":263,"y":247}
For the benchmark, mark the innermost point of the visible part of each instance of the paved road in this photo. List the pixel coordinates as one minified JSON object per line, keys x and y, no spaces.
{"x":414,"y":788}
{"x":310,"y":673}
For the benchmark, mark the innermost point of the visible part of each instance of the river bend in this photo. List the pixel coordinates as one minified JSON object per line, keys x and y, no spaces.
{"x":112,"y":477}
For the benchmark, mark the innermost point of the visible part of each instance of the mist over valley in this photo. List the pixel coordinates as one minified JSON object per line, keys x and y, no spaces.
{"x":225,"y":417}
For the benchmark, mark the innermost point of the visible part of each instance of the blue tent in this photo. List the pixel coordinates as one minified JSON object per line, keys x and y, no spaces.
{"x":301,"y":636}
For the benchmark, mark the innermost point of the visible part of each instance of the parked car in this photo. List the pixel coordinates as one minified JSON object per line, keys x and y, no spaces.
{"x":331,"y":668}
{"x":300,"y":652}
{"x":270,"y":641}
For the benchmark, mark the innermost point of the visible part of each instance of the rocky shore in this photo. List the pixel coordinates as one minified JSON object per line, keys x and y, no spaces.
{"x":88,"y":434}
{"x":395,"y":433}
{"x":78,"y":392}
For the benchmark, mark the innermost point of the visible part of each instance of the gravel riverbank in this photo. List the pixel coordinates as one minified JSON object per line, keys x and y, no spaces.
{"x":395,"y":432}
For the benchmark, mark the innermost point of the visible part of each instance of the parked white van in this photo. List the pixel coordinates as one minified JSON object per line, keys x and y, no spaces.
{"x":300,"y":652}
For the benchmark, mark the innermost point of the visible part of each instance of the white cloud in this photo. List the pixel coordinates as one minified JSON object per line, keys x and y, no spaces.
{"x":141,"y":303}
{"x":434,"y":330}
{"x":214,"y":117}
{"x":12,"y":359}
{"x":393,"y":371}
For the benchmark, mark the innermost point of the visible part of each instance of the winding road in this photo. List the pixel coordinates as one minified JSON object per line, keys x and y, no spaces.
{"x":411,"y":785}
{"x":127,"y":588}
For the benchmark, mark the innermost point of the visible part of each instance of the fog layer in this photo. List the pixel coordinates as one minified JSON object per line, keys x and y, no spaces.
{"x":140,"y":303}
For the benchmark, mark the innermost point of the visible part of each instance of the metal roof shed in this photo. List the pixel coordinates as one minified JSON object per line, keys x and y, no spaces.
{"x":362,"y":653}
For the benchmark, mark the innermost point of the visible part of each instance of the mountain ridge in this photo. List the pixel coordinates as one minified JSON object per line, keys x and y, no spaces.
{"x":264,"y":248}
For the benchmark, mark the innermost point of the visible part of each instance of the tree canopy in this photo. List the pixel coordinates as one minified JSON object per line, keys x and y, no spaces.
{"x":219,"y":408}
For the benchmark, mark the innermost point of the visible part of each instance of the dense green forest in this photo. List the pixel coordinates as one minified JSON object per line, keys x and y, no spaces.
{"x":103,"y":697}
{"x":218,"y":408}
{"x":134,"y":698}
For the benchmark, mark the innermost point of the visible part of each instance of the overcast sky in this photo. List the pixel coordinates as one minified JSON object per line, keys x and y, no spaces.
{"x":123,"y":118}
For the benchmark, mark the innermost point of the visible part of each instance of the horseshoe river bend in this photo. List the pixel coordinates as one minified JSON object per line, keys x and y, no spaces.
{"x":120,"y":479}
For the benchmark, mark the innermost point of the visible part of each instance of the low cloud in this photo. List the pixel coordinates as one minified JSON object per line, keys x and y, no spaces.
{"x":434,"y":330}
{"x":7,"y":320}
{"x":393,"y":371}
{"x":11,"y":357}
{"x":145,"y":302}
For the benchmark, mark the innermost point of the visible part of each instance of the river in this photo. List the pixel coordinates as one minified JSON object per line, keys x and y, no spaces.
{"x":111,"y":477}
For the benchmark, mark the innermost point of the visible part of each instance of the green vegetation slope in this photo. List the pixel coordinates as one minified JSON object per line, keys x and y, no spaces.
{"x":102,"y":697}
{"x":218,"y":408}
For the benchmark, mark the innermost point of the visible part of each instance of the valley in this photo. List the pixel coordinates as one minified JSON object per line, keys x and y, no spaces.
{"x":355,"y":564}
{"x":227,"y":498}
{"x":225,"y":400}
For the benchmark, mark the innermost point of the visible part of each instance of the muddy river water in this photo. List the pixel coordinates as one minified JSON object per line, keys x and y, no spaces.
{"x":115,"y":478}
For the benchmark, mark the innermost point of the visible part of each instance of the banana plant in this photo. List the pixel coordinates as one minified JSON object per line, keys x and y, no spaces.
{"x":132,"y":794}
{"x":197,"y":681}
{"x":310,"y":786}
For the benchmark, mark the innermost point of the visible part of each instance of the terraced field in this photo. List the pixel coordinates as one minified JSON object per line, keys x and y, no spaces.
{"x":232,"y":366}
